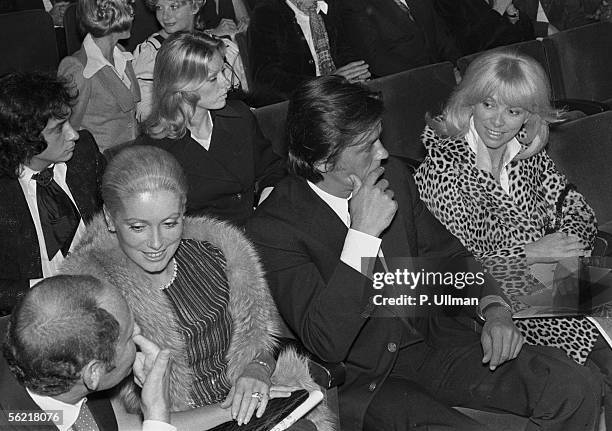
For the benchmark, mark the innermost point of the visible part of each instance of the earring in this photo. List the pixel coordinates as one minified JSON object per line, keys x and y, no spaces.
{"x":110,"y":229}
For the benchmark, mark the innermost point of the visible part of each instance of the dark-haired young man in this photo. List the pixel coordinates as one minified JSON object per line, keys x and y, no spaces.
{"x":70,"y":337}
{"x":49,"y":180}
{"x":406,"y":366}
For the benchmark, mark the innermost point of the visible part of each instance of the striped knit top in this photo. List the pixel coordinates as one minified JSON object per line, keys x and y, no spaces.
{"x":200,"y":295}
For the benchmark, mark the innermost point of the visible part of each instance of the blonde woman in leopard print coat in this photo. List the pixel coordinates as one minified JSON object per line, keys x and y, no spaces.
{"x":489,"y":181}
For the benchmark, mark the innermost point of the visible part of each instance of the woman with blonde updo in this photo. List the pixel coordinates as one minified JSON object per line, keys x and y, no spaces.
{"x":196,"y":288}
{"x":103,"y":74}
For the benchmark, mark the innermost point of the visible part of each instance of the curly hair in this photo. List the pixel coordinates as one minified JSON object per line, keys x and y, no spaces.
{"x":326,"y":115}
{"x":103,"y":17}
{"x":58,"y":328}
{"x":181,"y":68}
{"x":27,"y":102}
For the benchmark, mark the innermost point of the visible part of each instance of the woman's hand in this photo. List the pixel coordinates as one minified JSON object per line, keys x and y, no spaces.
{"x":554,"y":246}
{"x":226,"y":27}
{"x":357,"y":71}
{"x":255,"y":379}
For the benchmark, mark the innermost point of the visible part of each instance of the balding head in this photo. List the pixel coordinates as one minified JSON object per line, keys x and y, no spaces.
{"x":64,"y":323}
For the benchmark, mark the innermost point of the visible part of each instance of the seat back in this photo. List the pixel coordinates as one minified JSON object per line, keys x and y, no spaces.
{"x":144,"y":25}
{"x":582,"y":150}
{"x":29,"y":5}
{"x":72,"y":31}
{"x":532,"y":48}
{"x":37,"y":47}
{"x":408,"y":96}
{"x":271,"y":120}
{"x":580,"y":62}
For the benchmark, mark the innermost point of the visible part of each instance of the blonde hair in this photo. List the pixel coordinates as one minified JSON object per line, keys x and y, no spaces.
{"x":141,"y":169}
{"x":103,"y":17}
{"x":181,"y":68}
{"x":515,"y":79}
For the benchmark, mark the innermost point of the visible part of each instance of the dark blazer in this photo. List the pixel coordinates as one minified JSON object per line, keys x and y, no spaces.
{"x":19,"y":252}
{"x":225,"y":181}
{"x":390,"y":42}
{"x":477,"y":27}
{"x":326,"y":303}
{"x":13,"y":397}
{"x":278,"y":52}
{"x":563,"y":14}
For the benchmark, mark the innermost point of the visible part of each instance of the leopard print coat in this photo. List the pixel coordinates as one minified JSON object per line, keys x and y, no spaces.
{"x":495,"y":225}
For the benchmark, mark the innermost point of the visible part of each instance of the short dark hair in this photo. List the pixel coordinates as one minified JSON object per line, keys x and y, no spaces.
{"x":326,"y":115}
{"x":56,"y":330}
{"x":27,"y":102}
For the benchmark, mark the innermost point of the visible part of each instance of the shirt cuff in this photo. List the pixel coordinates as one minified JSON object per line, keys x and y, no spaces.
{"x":358,"y":245}
{"x":151,"y":425}
{"x":490,"y":300}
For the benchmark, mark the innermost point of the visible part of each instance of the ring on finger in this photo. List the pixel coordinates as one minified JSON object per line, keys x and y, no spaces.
{"x":257,"y":395}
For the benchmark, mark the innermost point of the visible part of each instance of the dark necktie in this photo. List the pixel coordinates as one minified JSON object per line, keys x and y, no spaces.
{"x":85,"y":421}
{"x":59,"y":217}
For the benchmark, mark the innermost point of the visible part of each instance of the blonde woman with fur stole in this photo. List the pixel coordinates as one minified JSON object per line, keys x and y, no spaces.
{"x":195,"y":287}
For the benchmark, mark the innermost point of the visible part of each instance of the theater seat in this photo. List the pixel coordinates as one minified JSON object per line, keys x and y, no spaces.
{"x":271,"y":120}
{"x":408,"y":96}
{"x":582,"y":150}
{"x":74,"y":35}
{"x":28,"y":42}
{"x":581,"y":62}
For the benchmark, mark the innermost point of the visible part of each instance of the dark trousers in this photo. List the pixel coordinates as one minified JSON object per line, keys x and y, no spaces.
{"x":542,"y":384}
{"x":600,"y":360}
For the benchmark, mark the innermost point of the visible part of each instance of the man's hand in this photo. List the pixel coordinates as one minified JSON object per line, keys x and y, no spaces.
{"x":226,"y":27}
{"x":500,"y":339}
{"x":372,"y":206}
{"x":357,"y":71}
{"x":155,"y":395}
{"x":145,"y":358}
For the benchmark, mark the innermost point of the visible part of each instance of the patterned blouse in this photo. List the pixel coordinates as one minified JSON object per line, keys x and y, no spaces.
{"x":495,"y":225}
{"x":200,"y":295}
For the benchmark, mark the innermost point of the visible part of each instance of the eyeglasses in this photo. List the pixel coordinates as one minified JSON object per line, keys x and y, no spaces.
{"x":230,"y":74}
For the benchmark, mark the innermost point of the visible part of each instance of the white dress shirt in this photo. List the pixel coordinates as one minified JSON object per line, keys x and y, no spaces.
{"x":71,"y":413}
{"x":96,"y":61}
{"x":303,"y":21}
{"x":483,"y":160}
{"x":356,"y":244}
{"x":28,"y":186}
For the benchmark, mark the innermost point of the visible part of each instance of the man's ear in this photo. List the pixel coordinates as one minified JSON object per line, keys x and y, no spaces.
{"x":92,"y":373}
{"x":109,"y":220}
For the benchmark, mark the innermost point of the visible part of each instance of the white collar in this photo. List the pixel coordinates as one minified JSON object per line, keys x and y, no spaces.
{"x":339,"y":205}
{"x":25,"y":174}
{"x":321,"y":7}
{"x":96,"y":61}
{"x":70,"y":411}
{"x":476,"y":144}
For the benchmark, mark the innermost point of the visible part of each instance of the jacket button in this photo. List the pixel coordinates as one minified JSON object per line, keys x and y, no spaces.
{"x":372,"y":387}
{"x":392,"y":347}
{"x":238,"y":196}
{"x":311,"y":61}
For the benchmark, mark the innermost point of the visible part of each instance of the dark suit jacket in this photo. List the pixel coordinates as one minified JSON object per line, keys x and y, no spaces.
{"x":390,"y":42}
{"x":13,"y":397}
{"x":477,"y":27}
{"x":278,"y":52}
{"x":225,"y":180}
{"x":563,"y":14}
{"x":326,"y":303}
{"x":19,"y":252}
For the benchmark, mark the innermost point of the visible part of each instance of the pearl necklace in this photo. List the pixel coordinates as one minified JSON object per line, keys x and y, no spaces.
{"x":174,"y":272}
